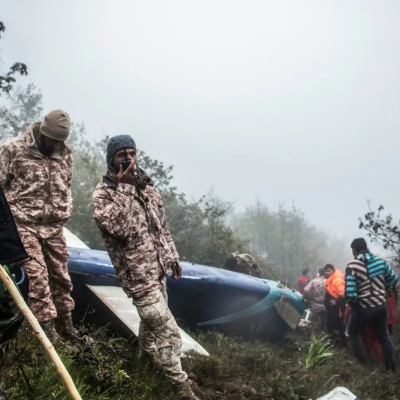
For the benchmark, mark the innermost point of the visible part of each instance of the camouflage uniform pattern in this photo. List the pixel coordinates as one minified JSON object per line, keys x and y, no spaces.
{"x":141,"y":248}
{"x":38,"y":190}
{"x":315,"y":293}
{"x":134,"y":229}
{"x":247,"y":264}
{"x":49,"y":282}
{"x":159,"y":335}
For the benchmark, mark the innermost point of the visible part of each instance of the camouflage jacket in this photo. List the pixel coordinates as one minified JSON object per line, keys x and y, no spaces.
{"x":37,"y":188}
{"x":315,"y":292}
{"x":134,"y":228}
{"x":247,"y":264}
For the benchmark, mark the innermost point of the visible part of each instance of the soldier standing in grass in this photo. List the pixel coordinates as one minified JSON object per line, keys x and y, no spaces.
{"x":130,"y":215}
{"x":36,"y":175}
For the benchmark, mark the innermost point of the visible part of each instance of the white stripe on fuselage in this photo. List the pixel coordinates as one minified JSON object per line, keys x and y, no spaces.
{"x":118,"y":302}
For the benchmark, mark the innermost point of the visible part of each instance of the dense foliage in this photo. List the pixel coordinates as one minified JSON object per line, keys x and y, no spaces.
{"x":383,"y":229}
{"x":110,"y":369}
{"x":285,"y":237}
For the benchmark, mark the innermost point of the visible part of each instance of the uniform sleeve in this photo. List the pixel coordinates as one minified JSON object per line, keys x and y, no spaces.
{"x":114,"y":214}
{"x":4,"y":165}
{"x":309,"y":288}
{"x":351,"y":284}
{"x":391,"y":280}
{"x":166,"y":232}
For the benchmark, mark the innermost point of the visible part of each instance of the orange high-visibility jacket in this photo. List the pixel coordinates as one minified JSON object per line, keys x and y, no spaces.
{"x":335,"y":284}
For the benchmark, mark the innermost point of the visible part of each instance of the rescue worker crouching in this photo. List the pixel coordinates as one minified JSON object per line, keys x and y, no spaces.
{"x":130,"y":215}
{"x":36,"y":175}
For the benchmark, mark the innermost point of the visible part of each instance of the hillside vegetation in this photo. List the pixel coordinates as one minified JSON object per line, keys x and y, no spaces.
{"x":110,"y":369}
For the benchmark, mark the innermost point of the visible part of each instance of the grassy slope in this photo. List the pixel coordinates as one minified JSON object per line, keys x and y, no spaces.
{"x":110,"y":369}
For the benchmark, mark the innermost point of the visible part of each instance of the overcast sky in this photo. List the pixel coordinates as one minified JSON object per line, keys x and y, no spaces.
{"x":280,"y":100}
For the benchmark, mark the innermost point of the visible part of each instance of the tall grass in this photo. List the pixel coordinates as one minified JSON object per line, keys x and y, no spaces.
{"x":321,"y":351}
{"x":110,"y":369}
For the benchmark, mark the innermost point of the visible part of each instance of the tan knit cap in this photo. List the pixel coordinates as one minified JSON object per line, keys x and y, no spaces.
{"x":56,"y":125}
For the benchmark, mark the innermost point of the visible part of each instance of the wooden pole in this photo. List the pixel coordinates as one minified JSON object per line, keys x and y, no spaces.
{"x":40,"y":334}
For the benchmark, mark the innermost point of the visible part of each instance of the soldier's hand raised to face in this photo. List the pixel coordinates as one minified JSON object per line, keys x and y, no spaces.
{"x":127,"y":176}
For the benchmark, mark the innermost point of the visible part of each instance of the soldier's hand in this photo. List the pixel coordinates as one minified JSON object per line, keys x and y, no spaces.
{"x":127,"y":176}
{"x":176,"y":271}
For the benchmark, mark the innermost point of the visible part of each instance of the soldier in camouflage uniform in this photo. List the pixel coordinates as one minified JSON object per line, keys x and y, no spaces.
{"x":36,"y":174}
{"x":243,"y":263}
{"x":130,"y":215}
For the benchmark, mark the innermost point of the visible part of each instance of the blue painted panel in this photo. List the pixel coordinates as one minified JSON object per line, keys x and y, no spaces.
{"x":232,"y":301}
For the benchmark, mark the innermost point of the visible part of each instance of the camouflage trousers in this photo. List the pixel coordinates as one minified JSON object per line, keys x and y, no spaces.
{"x":159,"y":335}
{"x":49,"y":282}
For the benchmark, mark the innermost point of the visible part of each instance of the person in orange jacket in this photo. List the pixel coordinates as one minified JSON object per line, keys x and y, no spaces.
{"x":335,"y":302}
{"x":369,"y":340}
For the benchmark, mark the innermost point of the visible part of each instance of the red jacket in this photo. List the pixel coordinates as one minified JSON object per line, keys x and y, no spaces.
{"x":302,"y":283}
{"x":392,"y":308}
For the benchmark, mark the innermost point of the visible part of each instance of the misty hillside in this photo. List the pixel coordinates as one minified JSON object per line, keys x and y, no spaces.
{"x":268,"y":127}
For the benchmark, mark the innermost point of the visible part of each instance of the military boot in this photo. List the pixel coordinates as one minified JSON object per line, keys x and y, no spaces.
{"x":184,"y":391}
{"x":66,"y":327}
{"x":51,"y":333}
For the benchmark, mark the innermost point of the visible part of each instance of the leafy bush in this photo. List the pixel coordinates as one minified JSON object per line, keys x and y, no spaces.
{"x":320,"y":351}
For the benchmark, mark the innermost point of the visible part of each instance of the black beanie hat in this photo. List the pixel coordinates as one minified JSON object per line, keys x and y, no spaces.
{"x":117,"y":143}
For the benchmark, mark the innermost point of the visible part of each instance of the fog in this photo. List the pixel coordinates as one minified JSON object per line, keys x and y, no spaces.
{"x":285,"y":101}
